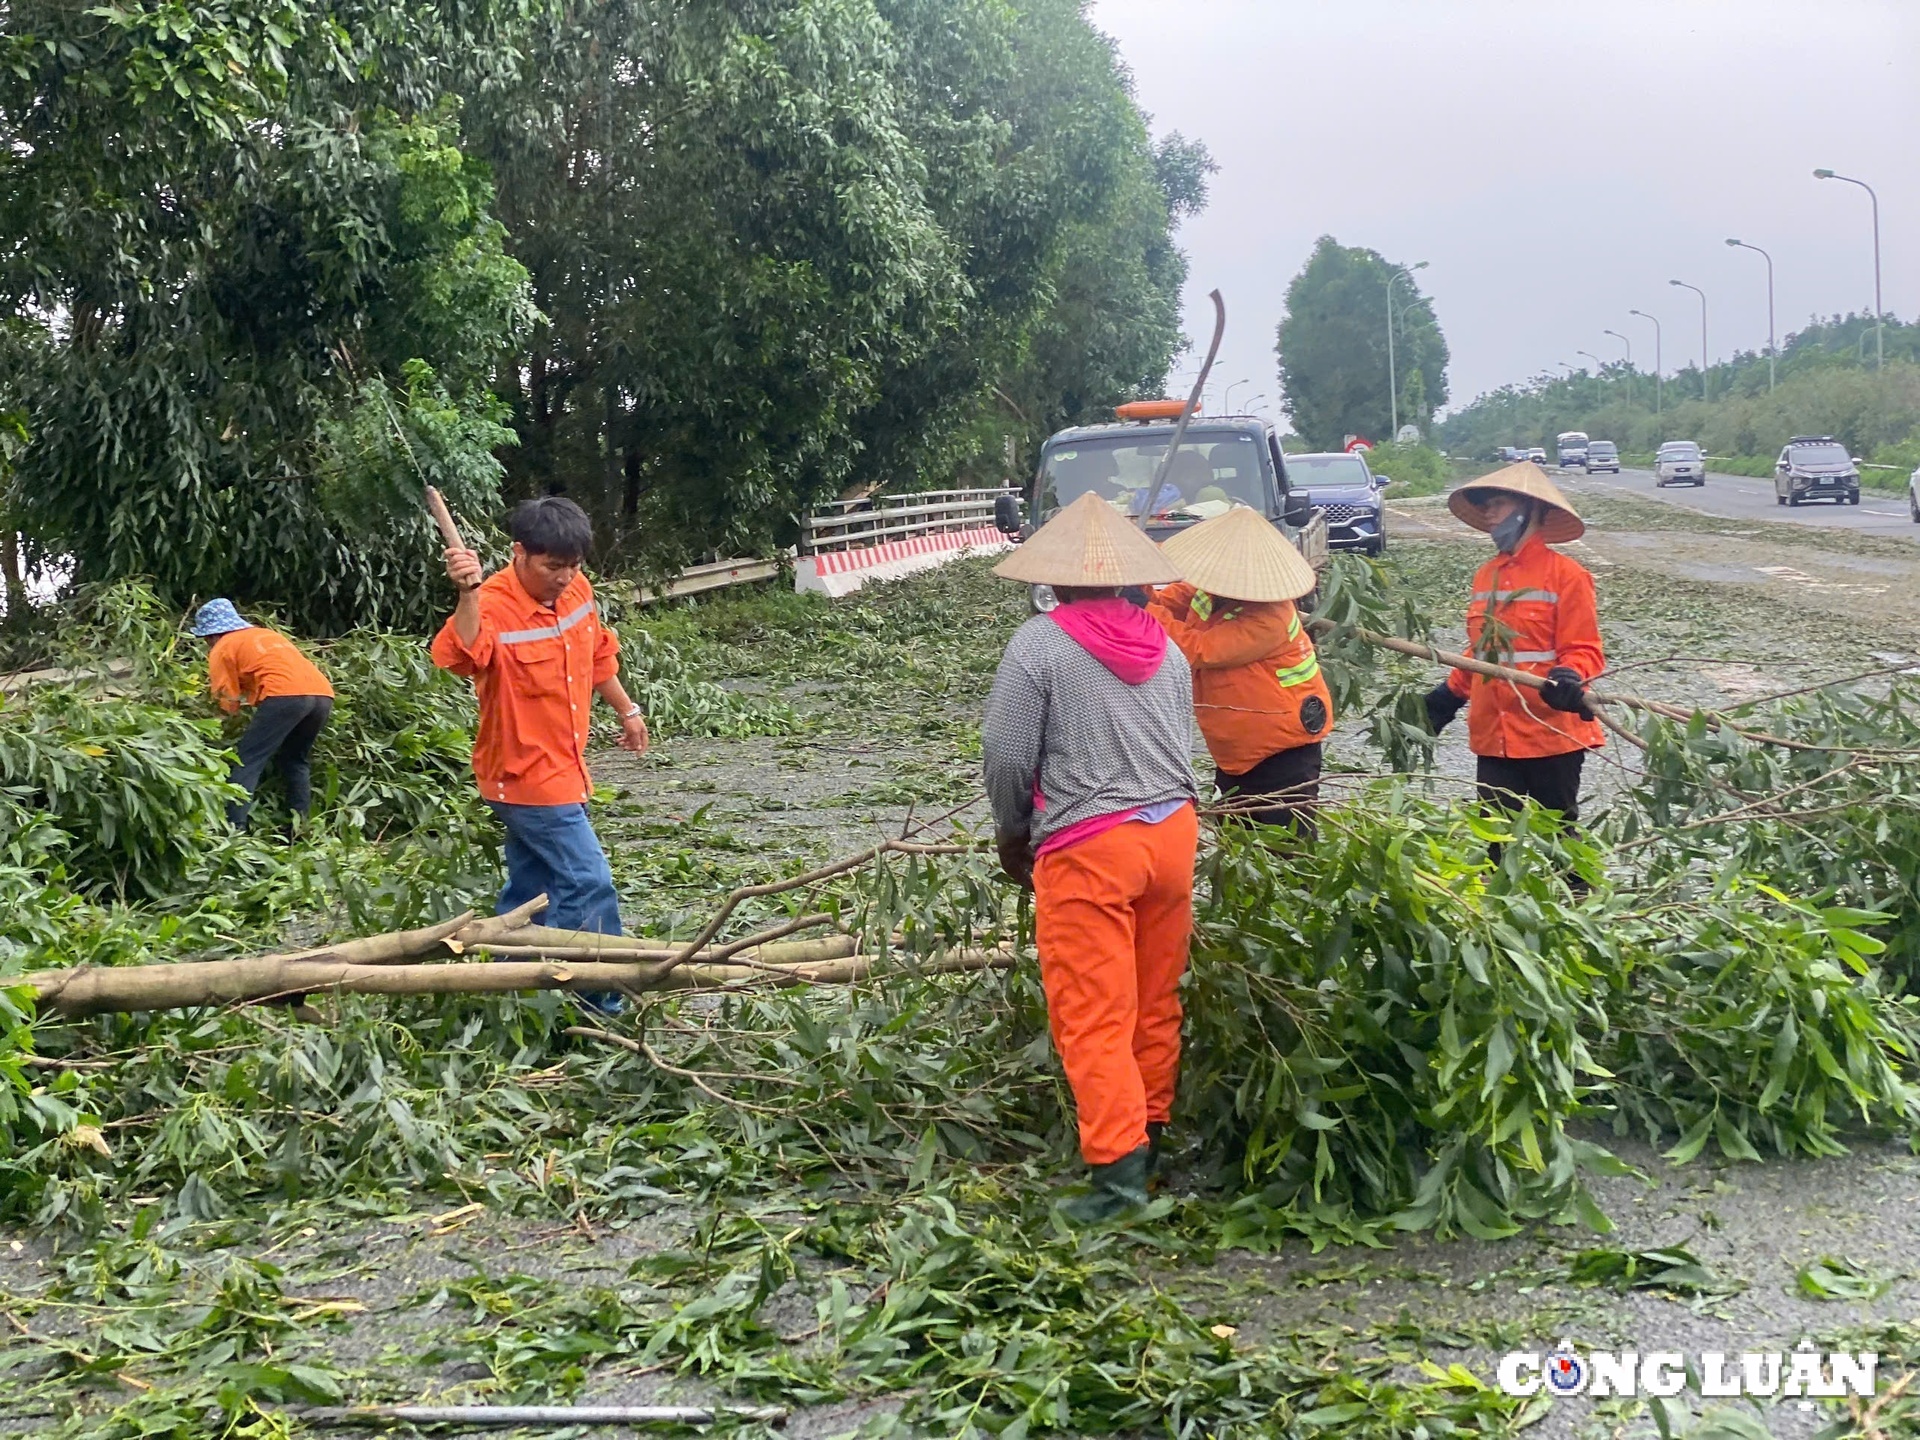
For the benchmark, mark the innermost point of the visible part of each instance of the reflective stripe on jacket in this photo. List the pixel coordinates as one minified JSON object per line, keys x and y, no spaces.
{"x":534,"y":670}
{"x":1532,"y":610}
{"x":1257,"y":686}
{"x":258,"y":664}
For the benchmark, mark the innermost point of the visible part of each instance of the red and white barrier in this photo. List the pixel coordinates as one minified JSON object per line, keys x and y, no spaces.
{"x":841,"y":572}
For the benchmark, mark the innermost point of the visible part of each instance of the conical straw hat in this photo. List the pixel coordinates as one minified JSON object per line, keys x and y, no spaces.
{"x":1240,"y":556}
{"x":1557,"y":526}
{"x":1088,"y":545}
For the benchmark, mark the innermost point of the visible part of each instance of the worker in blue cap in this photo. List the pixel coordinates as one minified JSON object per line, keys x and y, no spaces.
{"x":292,"y":702}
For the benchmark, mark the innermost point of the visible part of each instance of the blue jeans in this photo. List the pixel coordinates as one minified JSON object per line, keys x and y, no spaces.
{"x":552,"y":851}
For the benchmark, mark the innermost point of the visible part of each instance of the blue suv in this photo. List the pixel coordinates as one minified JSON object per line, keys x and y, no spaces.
{"x":1350,"y":493}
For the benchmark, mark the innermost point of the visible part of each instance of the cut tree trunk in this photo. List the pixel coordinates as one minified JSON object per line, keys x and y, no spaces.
{"x":92,"y":990}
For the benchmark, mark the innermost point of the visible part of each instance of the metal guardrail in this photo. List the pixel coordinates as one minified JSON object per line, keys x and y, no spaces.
{"x":851,"y":524}
{"x":842,"y":525}
{"x":716,"y":575}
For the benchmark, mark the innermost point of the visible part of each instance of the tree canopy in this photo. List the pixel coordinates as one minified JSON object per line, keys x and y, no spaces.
{"x":1332,"y":345}
{"x":695,"y":262}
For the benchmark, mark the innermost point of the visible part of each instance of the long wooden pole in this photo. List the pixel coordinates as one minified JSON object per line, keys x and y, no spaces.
{"x":1598,"y":697}
{"x":92,"y":990}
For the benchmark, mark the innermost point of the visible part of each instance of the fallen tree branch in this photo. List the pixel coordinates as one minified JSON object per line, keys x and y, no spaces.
{"x":587,"y":946}
{"x":812,"y":877}
{"x":92,"y":990}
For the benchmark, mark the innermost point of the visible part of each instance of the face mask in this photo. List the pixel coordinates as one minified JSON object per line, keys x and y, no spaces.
{"x":1509,"y":532}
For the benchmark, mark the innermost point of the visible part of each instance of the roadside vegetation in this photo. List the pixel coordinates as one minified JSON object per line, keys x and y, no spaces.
{"x":839,"y":1196}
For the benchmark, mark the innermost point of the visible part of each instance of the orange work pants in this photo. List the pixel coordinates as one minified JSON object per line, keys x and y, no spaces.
{"x":1113,"y":916}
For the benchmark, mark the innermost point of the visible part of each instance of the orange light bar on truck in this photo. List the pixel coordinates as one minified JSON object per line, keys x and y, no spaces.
{"x":1152,"y":410}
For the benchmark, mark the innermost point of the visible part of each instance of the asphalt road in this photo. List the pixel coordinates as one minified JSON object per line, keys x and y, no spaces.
{"x":1742,"y":497}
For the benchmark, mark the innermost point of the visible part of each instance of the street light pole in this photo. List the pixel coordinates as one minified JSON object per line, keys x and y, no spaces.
{"x":1879,"y":339}
{"x":1393,"y":378}
{"x":1770,"y":345}
{"x":1227,"y":404}
{"x":1629,"y":344}
{"x":1704,"y":373}
{"x":1656,"y":357}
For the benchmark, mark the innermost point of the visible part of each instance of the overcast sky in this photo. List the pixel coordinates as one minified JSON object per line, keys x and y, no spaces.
{"x":1556,"y":162}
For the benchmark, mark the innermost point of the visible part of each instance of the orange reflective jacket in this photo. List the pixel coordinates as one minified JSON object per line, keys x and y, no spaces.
{"x":534,"y":669}
{"x":1531,"y":610}
{"x":1257,"y":686}
{"x":258,"y":664}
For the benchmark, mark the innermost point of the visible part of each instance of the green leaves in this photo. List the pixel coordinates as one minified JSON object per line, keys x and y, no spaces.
{"x":1673,"y":1268}
{"x":1833,"y":1277}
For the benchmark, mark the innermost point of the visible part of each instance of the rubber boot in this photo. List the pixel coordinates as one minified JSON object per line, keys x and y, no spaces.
{"x":1115,"y":1189}
{"x":1156,"y":1134}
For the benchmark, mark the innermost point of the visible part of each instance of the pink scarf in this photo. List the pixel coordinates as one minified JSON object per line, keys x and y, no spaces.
{"x":1120,"y":635}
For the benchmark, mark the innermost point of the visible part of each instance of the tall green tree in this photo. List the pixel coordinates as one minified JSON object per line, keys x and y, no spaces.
{"x":791,"y":246}
{"x":229,"y":230}
{"x":1112,"y":328}
{"x":728,"y":228}
{"x":1332,"y":346}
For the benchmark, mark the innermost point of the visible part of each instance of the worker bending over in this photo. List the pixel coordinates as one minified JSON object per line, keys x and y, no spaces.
{"x":1532,"y":609}
{"x":1262,"y":702}
{"x":531,"y":640}
{"x":1086,"y":745}
{"x":292,"y":701}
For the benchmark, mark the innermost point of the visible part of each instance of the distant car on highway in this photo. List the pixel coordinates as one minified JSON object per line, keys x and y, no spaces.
{"x":1815,"y":467}
{"x":1679,"y":463}
{"x":1350,"y":493}
{"x":1602,"y":455}
{"x":1511,"y":453}
{"x":1537,"y":456}
{"x":1572,"y":448}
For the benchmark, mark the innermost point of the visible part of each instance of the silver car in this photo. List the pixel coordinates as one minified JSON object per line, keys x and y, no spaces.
{"x":1679,"y":463}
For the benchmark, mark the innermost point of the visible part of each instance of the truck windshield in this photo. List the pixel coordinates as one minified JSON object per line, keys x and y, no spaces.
{"x":1573,"y":438}
{"x":1601,"y":447}
{"x":1211,"y":474}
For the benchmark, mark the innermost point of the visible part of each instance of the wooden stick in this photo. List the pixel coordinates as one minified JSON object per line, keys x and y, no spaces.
{"x":92,"y":990}
{"x":1599,"y":697}
{"x":443,"y":517}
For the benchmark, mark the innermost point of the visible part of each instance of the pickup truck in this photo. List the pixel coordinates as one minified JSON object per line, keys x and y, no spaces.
{"x":1220,"y":464}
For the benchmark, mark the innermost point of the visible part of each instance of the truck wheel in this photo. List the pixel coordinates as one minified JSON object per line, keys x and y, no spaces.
{"x":1853,"y":499}
{"x":1794,"y":501}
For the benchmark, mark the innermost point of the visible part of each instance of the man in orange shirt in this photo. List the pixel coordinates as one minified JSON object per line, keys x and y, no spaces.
{"x":291,"y":700}
{"x":531,"y":640}
{"x":1532,"y":609}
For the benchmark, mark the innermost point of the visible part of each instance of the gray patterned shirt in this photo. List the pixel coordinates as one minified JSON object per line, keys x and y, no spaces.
{"x":1096,"y":743}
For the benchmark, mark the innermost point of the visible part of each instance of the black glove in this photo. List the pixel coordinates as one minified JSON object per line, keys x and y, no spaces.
{"x":1016,"y":858}
{"x":1442,"y":706}
{"x":1565,"y":690}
